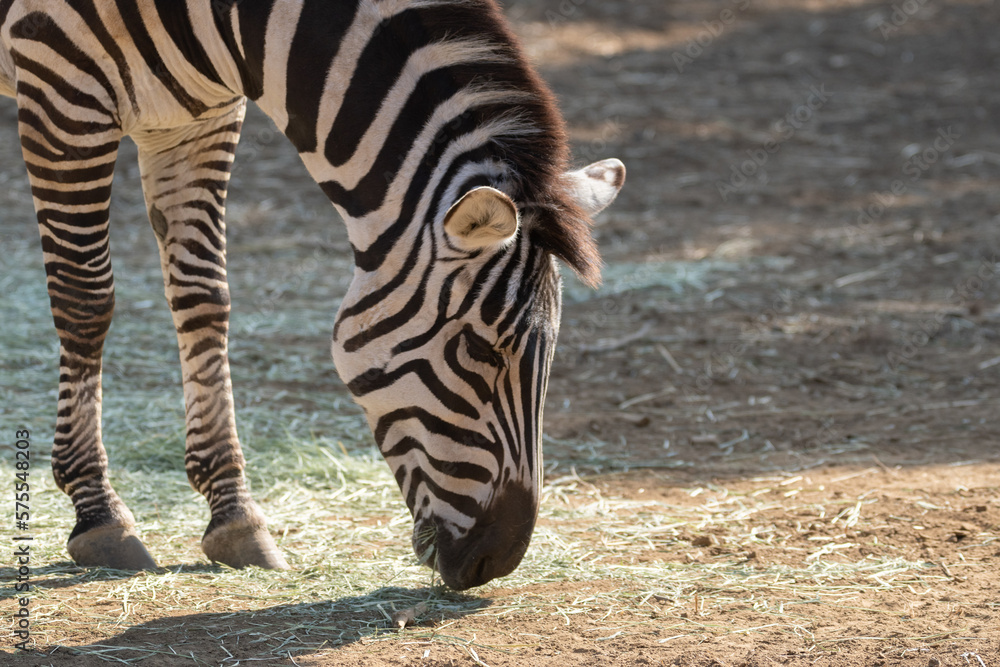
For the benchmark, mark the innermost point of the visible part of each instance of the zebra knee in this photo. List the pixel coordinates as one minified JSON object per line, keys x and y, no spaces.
{"x":82,"y":321}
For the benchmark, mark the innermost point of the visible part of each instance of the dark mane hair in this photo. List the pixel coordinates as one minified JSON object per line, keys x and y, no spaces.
{"x":539,"y":159}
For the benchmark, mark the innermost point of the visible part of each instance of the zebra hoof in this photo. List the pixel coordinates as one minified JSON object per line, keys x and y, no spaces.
{"x":241,"y":543}
{"x":113,"y":546}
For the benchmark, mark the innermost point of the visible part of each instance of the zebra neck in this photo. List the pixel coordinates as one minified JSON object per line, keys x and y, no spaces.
{"x":395,"y":107}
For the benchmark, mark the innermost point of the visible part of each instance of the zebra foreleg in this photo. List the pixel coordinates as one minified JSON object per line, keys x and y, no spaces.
{"x":70,"y":165}
{"x":185,"y":173}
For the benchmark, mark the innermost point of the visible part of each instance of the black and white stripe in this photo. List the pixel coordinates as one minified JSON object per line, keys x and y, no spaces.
{"x":445,"y":156}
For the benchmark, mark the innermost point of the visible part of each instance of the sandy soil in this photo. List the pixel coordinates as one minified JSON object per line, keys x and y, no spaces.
{"x":801,"y":305}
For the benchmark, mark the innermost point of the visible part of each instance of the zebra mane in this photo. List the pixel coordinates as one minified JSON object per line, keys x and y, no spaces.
{"x":539,"y":158}
{"x":472,"y":40}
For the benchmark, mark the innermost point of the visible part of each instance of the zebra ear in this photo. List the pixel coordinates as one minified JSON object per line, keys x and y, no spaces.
{"x":596,"y":185}
{"x":483,"y":217}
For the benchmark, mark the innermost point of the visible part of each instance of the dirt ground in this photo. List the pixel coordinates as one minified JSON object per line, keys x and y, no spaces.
{"x":801,"y":308}
{"x":850,"y":327}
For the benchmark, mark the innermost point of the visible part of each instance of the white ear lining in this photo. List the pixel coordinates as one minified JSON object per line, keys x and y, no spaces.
{"x":596,"y":185}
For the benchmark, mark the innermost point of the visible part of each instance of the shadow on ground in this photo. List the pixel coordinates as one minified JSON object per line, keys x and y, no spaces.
{"x":272,"y":634}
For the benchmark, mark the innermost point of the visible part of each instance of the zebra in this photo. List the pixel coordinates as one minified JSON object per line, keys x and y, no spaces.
{"x":445,"y":155}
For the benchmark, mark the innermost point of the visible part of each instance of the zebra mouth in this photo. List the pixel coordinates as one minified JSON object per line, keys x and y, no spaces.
{"x":489,"y":550}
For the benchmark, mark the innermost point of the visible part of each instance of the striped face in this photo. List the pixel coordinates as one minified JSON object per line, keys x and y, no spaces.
{"x":449,"y":355}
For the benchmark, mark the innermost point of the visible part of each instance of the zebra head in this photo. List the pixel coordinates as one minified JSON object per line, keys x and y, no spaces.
{"x":449,"y":354}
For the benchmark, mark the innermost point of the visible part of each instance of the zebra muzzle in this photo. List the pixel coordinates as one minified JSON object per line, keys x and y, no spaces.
{"x":492,"y":548}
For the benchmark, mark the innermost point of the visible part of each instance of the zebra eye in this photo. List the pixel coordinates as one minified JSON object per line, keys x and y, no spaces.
{"x":480,"y":349}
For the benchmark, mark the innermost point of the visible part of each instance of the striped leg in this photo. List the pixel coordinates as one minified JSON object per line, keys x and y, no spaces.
{"x":185,"y":173}
{"x":71,"y":164}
